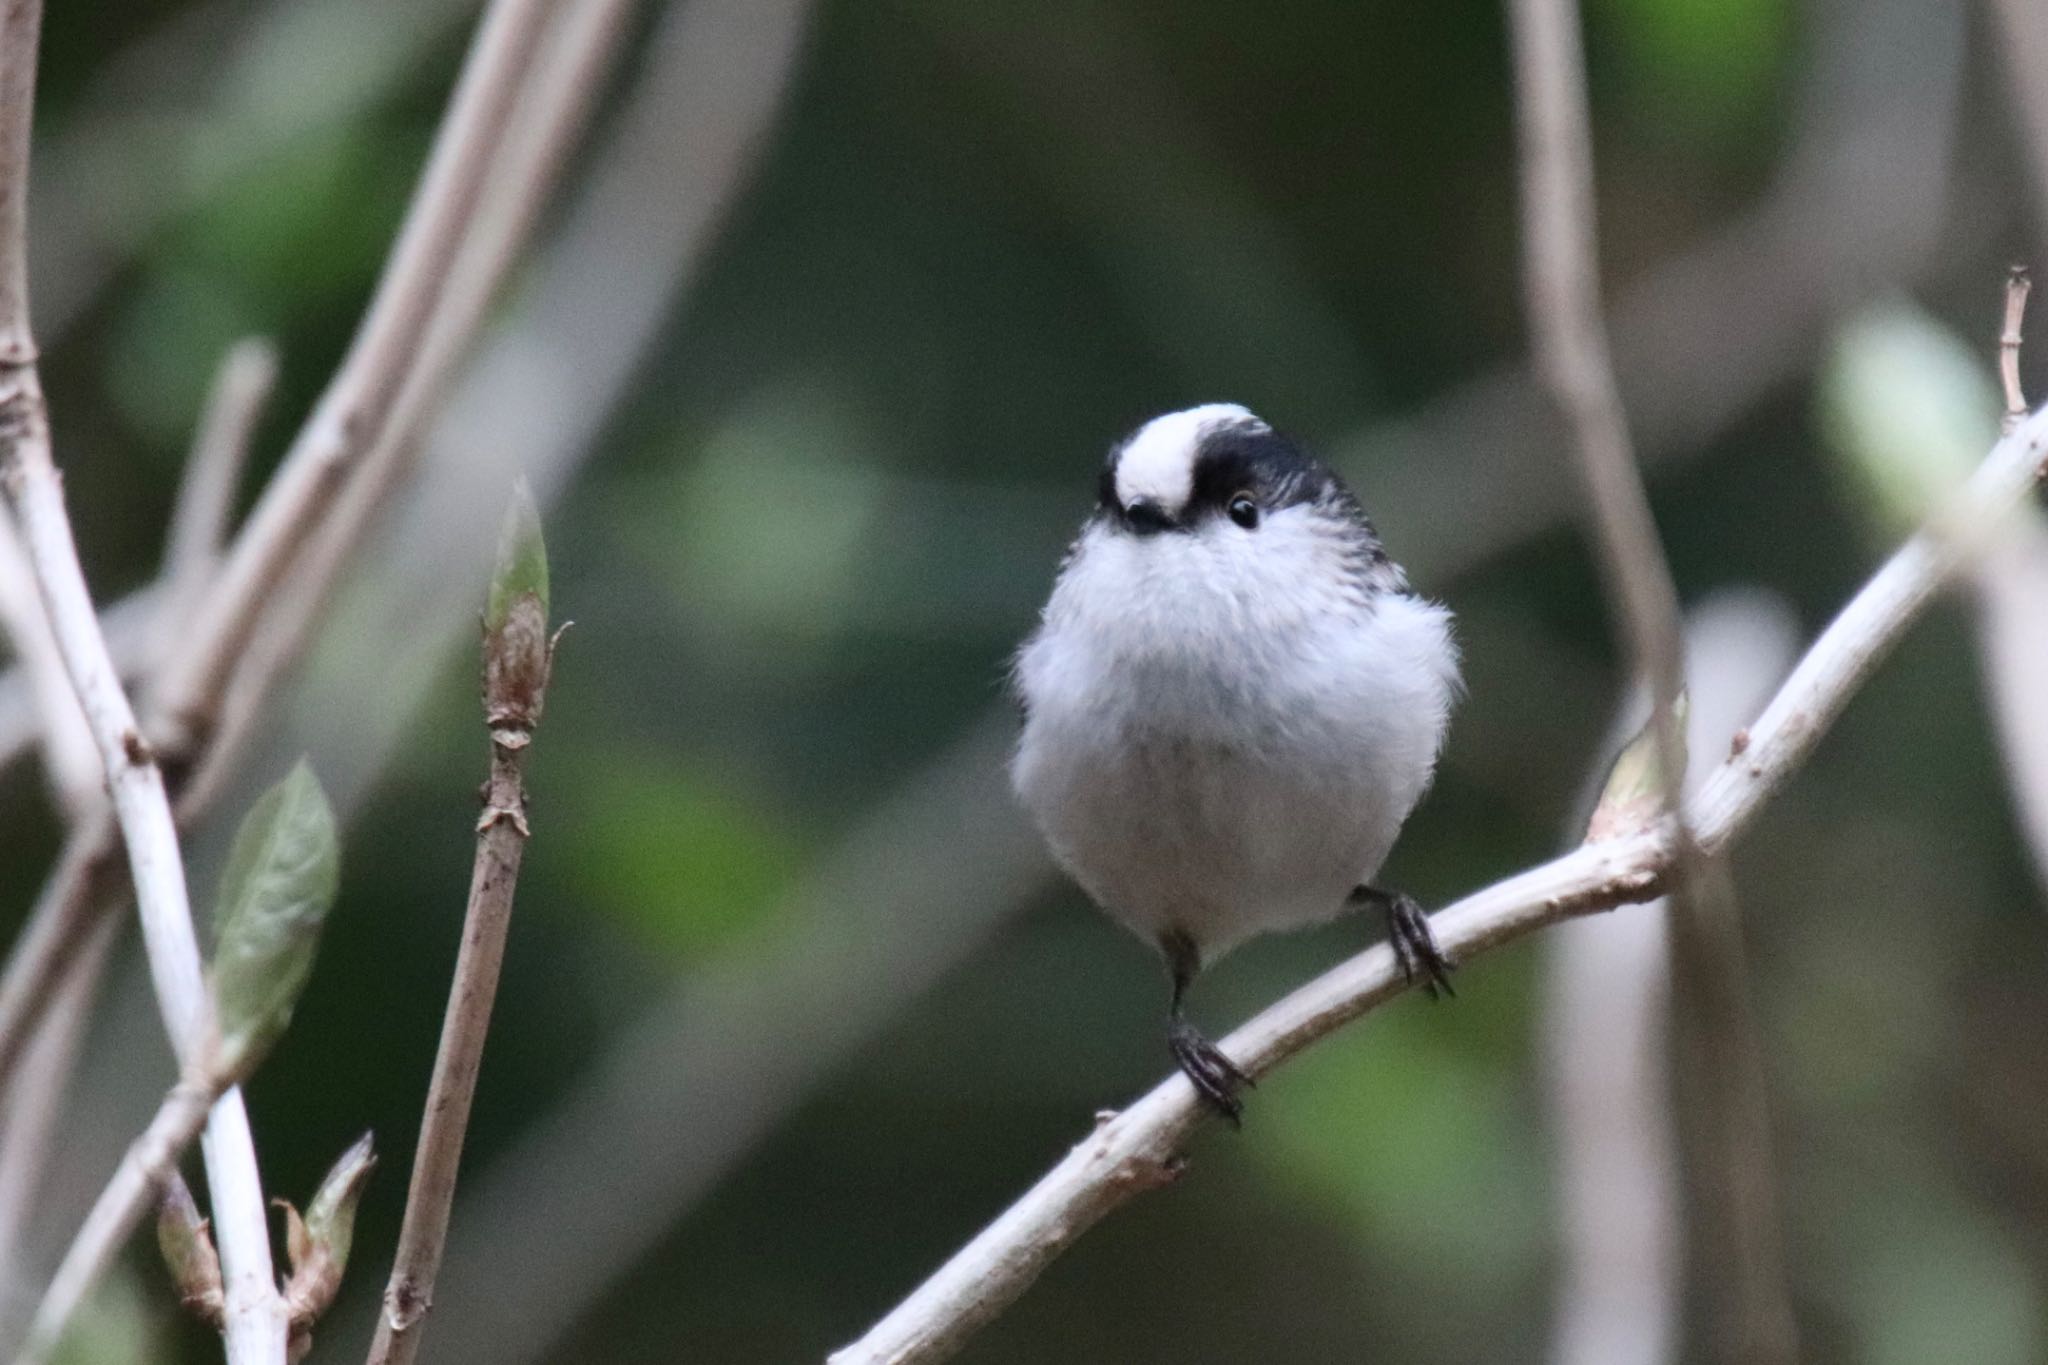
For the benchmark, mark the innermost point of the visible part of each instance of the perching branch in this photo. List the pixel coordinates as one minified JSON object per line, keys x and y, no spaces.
{"x":518,"y":657}
{"x":1138,"y":1149}
{"x":1562,"y":279}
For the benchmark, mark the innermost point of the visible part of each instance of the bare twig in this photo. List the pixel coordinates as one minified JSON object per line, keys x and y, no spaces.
{"x":47,"y":950}
{"x":545,"y":125}
{"x":1136,"y":1150}
{"x":127,"y":1197}
{"x":69,"y":763}
{"x":129,"y":625}
{"x":355,"y":409}
{"x":213,"y":470}
{"x":1607,"y":1003}
{"x":518,"y":657}
{"x":29,"y":481}
{"x":1561,"y":266}
{"x":187,"y":702}
{"x":2017,"y":285}
{"x":2024,"y":30}
{"x":34,"y":1101}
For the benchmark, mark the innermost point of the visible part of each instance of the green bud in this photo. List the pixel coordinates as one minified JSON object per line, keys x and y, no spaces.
{"x":188,"y":1250}
{"x":522,"y":565}
{"x":318,"y":1244}
{"x":281,"y":878}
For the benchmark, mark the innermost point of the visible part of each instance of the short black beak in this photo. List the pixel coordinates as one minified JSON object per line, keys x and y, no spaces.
{"x":1147,"y":517}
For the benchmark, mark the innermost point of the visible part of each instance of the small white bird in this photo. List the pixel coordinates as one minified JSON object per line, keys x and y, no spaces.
{"x":1232,"y":701}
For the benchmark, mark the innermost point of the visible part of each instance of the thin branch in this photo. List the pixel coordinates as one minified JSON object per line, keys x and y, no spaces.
{"x":34,"y":1101}
{"x":70,"y":765}
{"x":1608,"y":996}
{"x":47,"y":950}
{"x":354,"y":410}
{"x":2023,"y":26}
{"x":1561,"y":268}
{"x":2017,"y":285}
{"x":569,"y":74}
{"x":129,"y":625}
{"x":213,"y":471}
{"x":131,"y":1193}
{"x":1137,"y":1149}
{"x":183,"y":712}
{"x":29,"y":481}
{"x":518,"y":657}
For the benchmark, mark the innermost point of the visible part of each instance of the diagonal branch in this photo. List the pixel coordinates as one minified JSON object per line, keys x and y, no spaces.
{"x":325,"y":463}
{"x":355,"y":408}
{"x":1138,"y":1149}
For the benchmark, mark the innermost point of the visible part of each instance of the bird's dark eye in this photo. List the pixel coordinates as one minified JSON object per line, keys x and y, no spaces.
{"x":1244,"y":511}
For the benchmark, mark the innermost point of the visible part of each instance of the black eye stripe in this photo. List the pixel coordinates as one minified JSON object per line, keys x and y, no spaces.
{"x":1254,"y":460}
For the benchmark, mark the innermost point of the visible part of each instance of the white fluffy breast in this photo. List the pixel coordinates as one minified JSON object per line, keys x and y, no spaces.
{"x":1158,"y":462}
{"x":1225,"y":730}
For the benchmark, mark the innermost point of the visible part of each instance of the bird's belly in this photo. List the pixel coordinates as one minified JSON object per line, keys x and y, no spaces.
{"x":1200,"y":830}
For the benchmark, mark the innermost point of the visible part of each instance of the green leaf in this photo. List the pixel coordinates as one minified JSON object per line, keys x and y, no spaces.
{"x":331,"y":1217}
{"x":522,"y":565}
{"x":281,"y":878}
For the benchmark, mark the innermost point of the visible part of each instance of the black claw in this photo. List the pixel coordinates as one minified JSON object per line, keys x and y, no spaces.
{"x":1216,"y":1078}
{"x":1415,"y":947}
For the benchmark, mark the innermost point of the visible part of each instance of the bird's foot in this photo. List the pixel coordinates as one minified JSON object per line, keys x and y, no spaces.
{"x":1415,"y":946}
{"x":1216,"y":1078}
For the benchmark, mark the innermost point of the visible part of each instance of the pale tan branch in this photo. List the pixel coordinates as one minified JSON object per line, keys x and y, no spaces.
{"x":1137,"y":1149}
{"x":1562,"y":279}
{"x":354,"y":410}
{"x":518,"y":657}
{"x":545,"y":126}
{"x":206,"y":495}
{"x":135,"y":1185}
{"x":31,"y":486}
{"x":2010,"y":337}
{"x":70,"y":765}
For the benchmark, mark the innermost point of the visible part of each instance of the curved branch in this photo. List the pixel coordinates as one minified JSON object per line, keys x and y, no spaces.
{"x":1138,"y":1149}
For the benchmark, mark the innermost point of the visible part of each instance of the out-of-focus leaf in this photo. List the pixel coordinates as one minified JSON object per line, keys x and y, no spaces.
{"x":1714,"y":66}
{"x":281,"y":878}
{"x":1410,"y":1135}
{"x":685,"y":863}
{"x":115,"y":1327}
{"x":770,"y":522}
{"x":1909,"y":409}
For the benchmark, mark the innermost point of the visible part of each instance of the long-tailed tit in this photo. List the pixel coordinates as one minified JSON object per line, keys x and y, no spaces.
{"x":1232,"y":702}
